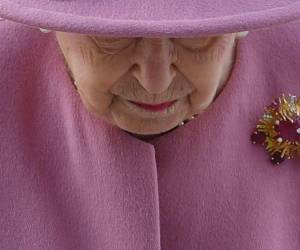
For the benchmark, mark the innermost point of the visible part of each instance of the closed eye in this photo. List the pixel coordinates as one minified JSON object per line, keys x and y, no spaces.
{"x":112,"y":45}
{"x":198,"y":43}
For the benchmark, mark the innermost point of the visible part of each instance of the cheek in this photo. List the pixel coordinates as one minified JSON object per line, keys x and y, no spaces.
{"x":213,"y":55}
{"x":94,"y":82}
{"x":203,"y":92}
{"x":83,"y":67}
{"x":95,"y":101}
{"x":93,"y":94}
{"x":205,"y":57}
{"x":93,"y":68}
{"x":201,"y":67}
{"x":204,"y":69}
{"x":205,"y":82}
{"x":199,"y":101}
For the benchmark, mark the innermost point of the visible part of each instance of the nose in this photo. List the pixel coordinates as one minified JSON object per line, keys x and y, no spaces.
{"x":153,"y":66}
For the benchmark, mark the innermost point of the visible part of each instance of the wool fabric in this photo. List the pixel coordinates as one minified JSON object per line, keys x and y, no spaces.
{"x":70,"y":181}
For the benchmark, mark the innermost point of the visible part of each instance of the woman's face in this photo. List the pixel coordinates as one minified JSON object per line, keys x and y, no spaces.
{"x":110,"y":72}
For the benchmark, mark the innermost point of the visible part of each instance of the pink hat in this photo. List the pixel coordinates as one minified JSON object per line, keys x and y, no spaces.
{"x":147,"y":18}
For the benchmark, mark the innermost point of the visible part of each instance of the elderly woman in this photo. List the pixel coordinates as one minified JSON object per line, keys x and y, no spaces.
{"x":148,"y":85}
{"x":150,"y":125}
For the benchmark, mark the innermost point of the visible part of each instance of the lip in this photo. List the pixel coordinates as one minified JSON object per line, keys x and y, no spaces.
{"x":154,"y":107}
{"x":149,"y":113}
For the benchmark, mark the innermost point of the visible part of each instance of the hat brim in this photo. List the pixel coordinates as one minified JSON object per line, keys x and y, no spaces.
{"x":136,"y":18}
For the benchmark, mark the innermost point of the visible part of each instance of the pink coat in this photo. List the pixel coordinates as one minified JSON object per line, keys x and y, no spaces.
{"x":70,"y":181}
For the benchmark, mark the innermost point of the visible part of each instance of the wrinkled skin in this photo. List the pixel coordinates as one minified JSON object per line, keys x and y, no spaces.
{"x":109,"y":71}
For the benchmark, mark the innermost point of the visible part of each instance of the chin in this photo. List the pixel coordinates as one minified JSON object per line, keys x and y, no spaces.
{"x":120,"y":116}
{"x":142,"y":123}
{"x":146,"y":127}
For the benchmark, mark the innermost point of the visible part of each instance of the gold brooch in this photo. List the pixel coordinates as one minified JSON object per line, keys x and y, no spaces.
{"x":279,"y":129}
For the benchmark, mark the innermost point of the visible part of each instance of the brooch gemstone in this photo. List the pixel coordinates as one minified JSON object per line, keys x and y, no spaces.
{"x":279,"y":129}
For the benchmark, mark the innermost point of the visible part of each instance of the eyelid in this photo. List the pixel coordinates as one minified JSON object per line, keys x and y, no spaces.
{"x":195,"y":43}
{"x":111,"y":48}
{"x":111,"y":40}
{"x":114,"y":42}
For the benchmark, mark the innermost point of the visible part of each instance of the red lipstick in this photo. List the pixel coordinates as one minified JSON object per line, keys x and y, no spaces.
{"x":157,"y":107}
